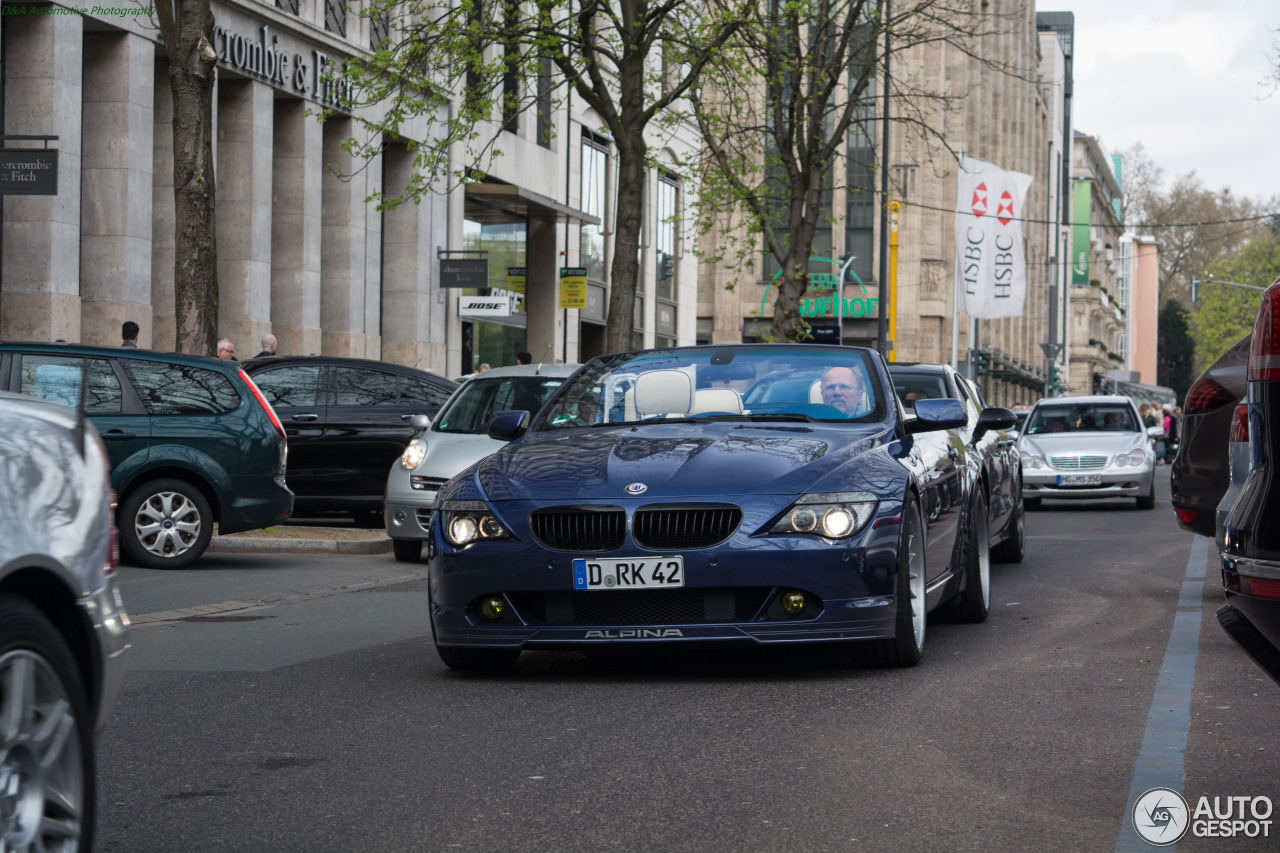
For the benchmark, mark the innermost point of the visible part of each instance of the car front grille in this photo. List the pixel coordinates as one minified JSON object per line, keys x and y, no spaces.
{"x":659,"y":528}
{"x":643,"y":607}
{"x":580,"y":529}
{"x":1078,"y":462}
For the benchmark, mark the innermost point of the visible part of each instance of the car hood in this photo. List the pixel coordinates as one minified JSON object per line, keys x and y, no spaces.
{"x":1082,"y":443}
{"x":712,"y":460}
{"x":449,"y":453}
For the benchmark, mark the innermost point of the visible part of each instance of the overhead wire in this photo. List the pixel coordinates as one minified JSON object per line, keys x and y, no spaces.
{"x":1139,"y":226}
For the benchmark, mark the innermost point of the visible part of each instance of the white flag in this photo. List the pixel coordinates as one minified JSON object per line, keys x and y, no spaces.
{"x":991,"y":266}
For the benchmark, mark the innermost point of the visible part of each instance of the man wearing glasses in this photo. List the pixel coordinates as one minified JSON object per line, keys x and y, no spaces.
{"x":842,"y":388}
{"x":226,"y":350}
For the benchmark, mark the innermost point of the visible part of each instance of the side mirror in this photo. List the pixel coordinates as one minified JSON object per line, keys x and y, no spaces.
{"x":1155,"y":431}
{"x":936,"y":414}
{"x":508,"y":426}
{"x":992,"y":418}
{"x":420,"y":422}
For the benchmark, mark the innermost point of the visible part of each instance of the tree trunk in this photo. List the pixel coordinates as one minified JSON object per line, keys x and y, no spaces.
{"x":625,"y":269}
{"x":195,"y":279}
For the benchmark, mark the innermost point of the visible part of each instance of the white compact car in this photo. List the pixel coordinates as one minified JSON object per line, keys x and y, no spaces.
{"x":1087,"y":448}
{"x":456,"y":439}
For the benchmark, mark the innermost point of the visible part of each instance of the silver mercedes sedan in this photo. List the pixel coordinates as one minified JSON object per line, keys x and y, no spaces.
{"x":1087,"y":448}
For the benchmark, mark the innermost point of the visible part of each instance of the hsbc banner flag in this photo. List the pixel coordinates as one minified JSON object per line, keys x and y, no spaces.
{"x":990,"y":263}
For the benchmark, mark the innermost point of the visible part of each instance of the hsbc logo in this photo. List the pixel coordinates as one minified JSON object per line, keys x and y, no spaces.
{"x":1004,"y":212}
{"x":980,"y":200}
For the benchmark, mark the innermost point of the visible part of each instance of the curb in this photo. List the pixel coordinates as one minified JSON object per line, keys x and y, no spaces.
{"x":262,"y":545}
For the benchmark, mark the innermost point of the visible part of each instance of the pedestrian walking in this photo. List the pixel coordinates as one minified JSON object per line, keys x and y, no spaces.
{"x":129,"y":334}
{"x":268,"y":346}
{"x":226,"y":350}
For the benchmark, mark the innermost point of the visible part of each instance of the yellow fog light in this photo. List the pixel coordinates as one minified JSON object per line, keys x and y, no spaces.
{"x":493,"y":608}
{"x":793,"y":602}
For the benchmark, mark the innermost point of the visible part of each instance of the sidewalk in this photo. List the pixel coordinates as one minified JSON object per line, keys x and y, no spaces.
{"x":309,"y":538}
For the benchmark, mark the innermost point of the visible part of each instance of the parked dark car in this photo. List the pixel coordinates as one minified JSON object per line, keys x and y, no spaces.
{"x":996,"y":448}
{"x":63,"y":627}
{"x":1251,"y":530}
{"x":1201,"y":472}
{"x":191,"y":441}
{"x":684,"y":512}
{"x":347,"y":420}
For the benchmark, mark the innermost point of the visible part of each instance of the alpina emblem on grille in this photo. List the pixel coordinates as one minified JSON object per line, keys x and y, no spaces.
{"x":637,"y":488}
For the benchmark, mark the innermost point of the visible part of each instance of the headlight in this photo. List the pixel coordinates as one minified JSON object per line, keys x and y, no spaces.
{"x":413,"y":454}
{"x":833,"y":515}
{"x":1031,"y":460}
{"x":464,"y":522}
{"x":1134,"y":457}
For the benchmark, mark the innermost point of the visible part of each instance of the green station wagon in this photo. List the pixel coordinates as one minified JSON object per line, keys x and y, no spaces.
{"x":191,"y":440}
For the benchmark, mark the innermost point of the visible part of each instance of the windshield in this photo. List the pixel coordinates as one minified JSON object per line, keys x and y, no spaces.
{"x":1083,"y":417}
{"x":918,"y":386}
{"x":475,"y":402}
{"x":747,"y":382}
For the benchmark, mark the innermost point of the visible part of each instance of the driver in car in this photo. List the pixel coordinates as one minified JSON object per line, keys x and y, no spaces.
{"x":842,"y":388}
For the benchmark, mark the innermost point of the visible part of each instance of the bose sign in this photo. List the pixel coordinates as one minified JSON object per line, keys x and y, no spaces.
{"x":484,"y":306}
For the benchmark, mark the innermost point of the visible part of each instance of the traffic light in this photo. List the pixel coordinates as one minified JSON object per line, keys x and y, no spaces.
{"x":1054,"y":375}
{"x":1195,"y":286}
{"x":666,"y":266}
{"x":981,"y":363}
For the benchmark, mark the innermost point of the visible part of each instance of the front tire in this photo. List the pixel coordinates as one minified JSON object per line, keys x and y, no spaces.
{"x":483,"y":660}
{"x":165,"y":524}
{"x":407,"y":550}
{"x":906,"y":647}
{"x":46,"y":743}
{"x":975,"y":601}
{"x":1149,"y":501}
{"x":1031,"y":503}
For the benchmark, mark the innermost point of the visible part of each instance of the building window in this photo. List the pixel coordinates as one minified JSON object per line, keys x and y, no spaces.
{"x":292,"y":6}
{"x":545,"y":126}
{"x":595,"y":164}
{"x":668,"y":220}
{"x":335,"y":16}
{"x":379,"y":29}
{"x":511,"y":77}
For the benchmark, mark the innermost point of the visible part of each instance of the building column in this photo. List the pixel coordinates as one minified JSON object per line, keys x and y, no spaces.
{"x":342,"y":246}
{"x":544,"y":336}
{"x":40,"y":261}
{"x":295,"y":229}
{"x":246,"y":119}
{"x":408,"y":252}
{"x":115,"y":186}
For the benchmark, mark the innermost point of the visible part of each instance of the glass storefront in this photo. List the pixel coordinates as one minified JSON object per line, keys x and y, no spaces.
{"x":502,"y":237}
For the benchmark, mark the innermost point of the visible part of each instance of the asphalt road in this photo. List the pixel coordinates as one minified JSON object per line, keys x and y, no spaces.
{"x":280,"y":703}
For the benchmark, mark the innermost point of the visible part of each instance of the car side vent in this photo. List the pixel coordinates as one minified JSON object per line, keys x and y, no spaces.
{"x":580,"y":529}
{"x":684,"y":526}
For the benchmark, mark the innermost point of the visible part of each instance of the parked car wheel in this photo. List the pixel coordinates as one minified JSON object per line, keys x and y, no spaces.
{"x":165,"y":524}
{"x":907,"y":646}
{"x":1148,"y":501}
{"x":975,"y":602}
{"x":48,"y":799}
{"x":1013,"y":549}
{"x":407,"y":550}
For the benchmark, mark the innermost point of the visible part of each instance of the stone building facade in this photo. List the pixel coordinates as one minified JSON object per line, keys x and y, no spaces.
{"x":301,"y":252}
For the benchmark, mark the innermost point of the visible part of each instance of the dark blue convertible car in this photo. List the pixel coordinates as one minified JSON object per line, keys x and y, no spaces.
{"x":767,"y":493}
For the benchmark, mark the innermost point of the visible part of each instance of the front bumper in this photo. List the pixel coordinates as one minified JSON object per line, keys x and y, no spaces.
{"x":104,"y":610}
{"x":732,"y":595}
{"x":1127,"y":482}
{"x":407,"y":511}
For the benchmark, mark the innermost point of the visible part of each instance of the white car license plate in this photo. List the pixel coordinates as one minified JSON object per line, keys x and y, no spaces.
{"x":1079,"y":479}
{"x":629,"y":573}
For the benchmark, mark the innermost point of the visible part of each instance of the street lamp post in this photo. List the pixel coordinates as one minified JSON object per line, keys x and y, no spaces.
{"x":840,"y":300}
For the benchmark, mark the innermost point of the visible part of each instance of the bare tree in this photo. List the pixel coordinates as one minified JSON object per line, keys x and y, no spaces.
{"x":468,"y":69}
{"x":777,"y":108}
{"x":185,"y":26}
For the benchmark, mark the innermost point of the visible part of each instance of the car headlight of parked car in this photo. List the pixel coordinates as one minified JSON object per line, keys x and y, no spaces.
{"x":833,"y":515}
{"x":413,"y":454}
{"x":464,"y":522}
{"x":1136,"y":458}
{"x":1031,"y":460}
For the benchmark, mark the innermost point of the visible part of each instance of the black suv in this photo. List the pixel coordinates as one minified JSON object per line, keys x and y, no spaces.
{"x":348,"y":422}
{"x":190,"y":439}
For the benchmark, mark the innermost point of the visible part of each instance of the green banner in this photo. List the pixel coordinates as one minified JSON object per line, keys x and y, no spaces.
{"x":1080,"y":211}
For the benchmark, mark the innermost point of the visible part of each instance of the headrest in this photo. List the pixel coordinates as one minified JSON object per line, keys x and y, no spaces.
{"x":664,"y":392}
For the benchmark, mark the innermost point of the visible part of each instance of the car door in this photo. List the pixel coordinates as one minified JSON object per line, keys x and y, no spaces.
{"x":109,"y":402}
{"x":993,"y":449}
{"x":294,"y":391}
{"x":366,"y":431}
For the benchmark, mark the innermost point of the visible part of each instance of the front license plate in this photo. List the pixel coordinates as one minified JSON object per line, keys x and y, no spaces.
{"x":634,"y":573}
{"x":1079,"y":479}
